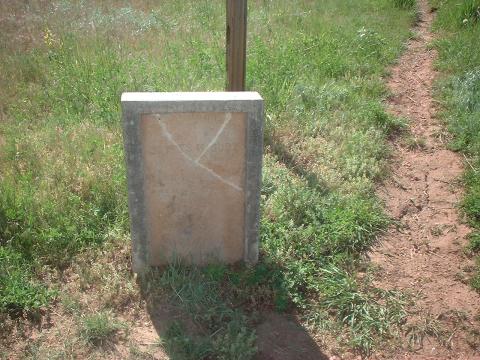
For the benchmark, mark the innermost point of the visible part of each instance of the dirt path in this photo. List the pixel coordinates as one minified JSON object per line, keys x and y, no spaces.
{"x":422,"y":253}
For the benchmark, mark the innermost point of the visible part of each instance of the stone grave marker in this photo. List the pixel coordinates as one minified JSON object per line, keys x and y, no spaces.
{"x":194,"y":172}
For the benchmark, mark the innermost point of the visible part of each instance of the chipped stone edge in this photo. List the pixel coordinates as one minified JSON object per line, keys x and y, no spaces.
{"x":134,"y":105}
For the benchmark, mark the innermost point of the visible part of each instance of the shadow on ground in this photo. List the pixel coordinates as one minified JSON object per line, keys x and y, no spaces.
{"x":228,"y":311}
{"x":188,"y":331}
{"x":281,"y":337}
{"x":281,"y":151}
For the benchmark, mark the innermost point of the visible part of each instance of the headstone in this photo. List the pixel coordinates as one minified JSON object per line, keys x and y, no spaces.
{"x":194,"y":171}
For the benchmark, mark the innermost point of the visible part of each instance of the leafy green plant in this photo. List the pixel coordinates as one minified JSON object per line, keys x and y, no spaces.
{"x":20,"y":292}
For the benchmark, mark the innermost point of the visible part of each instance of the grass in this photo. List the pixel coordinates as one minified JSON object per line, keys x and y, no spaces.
{"x":18,"y":293}
{"x":99,"y":328}
{"x":459,"y":92}
{"x":404,"y":4}
{"x":471,"y":12}
{"x":415,"y":143}
{"x":421,"y":329}
{"x":63,"y":208}
{"x":197,"y":294}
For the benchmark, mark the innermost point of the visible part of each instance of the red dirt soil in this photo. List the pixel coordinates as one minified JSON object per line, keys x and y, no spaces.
{"x":423,"y":251}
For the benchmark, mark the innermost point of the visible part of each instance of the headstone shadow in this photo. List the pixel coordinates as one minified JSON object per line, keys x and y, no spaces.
{"x":279,"y":336}
{"x":282,"y":337}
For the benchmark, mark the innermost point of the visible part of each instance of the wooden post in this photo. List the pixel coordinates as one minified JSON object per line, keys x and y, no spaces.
{"x":236,"y":44}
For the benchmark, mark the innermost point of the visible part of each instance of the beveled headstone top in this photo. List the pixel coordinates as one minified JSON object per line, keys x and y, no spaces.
{"x":194,"y":170}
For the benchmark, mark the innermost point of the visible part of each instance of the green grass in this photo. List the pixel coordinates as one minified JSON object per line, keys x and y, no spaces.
{"x":99,"y":328}
{"x":471,"y":12}
{"x":404,"y":4}
{"x":220,"y":330}
{"x":18,"y":292}
{"x":320,"y":68}
{"x":459,"y":91}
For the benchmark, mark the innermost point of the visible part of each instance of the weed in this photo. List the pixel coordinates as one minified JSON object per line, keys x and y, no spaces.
{"x":71,"y":305}
{"x":137,"y":354}
{"x":417,"y":332}
{"x":475,"y":278}
{"x":99,"y":328}
{"x":184,"y":346}
{"x":19,"y":291}
{"x":368,"y":312}
{"x":414,"y":143}
{"x":471,"y":202}
{"x":474,"y":244}
{"x":437,"y":230}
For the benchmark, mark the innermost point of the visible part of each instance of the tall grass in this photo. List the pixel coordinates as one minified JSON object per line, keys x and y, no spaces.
{"x":320,"y":68}
{"x":470,"y":11}
{"x":404,"y":4}
{"x":459,"y":91}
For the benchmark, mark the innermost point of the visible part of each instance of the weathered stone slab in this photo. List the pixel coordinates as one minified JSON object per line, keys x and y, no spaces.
{"x":194,"y":169}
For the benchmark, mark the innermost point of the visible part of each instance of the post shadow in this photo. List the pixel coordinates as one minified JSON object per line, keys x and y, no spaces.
{"x":288,"y":159}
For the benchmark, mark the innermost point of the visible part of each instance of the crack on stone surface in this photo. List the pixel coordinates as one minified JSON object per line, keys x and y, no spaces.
{"x":196,"y":162}
{"x":228,"y":117}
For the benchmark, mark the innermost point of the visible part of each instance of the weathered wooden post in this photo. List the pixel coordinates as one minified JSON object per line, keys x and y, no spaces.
{"x":236,"y":38}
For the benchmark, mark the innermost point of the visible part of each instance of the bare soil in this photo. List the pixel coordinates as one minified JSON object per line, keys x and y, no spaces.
{"x":423,"y":251}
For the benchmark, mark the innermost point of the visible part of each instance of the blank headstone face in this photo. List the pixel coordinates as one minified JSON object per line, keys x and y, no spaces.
{"x":192,"y":196}
{"x":194,"y":188}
